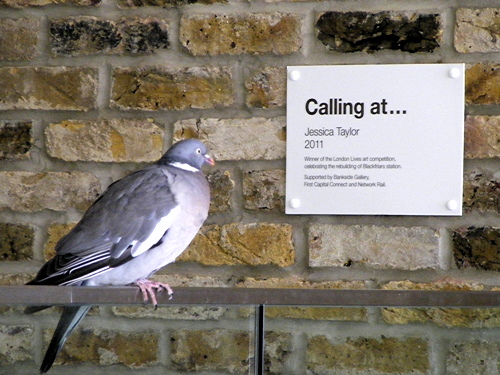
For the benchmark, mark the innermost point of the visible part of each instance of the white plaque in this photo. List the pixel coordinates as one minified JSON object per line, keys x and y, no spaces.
{"x":375,"y":139}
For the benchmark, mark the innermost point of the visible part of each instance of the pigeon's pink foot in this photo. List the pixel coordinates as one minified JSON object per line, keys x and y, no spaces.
{"x":150,"y":288}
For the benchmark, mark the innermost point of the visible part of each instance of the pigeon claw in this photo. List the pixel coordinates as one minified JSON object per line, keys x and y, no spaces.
{"x":149,"y":289}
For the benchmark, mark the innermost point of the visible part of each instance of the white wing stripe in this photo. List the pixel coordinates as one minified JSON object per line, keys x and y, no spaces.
{"x":157,"y":233}
{"x":87,"y":276}
{"x":82,"y":262}
{"x":85,"y":262}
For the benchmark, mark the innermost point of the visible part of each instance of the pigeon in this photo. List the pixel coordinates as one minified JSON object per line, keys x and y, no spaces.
{"x":137,"y":226}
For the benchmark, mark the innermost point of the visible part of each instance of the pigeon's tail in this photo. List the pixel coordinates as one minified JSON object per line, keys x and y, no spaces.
{"x":70,"y":317}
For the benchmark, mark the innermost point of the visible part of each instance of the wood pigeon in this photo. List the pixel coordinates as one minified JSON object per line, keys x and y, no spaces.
{"x":137,"y":226}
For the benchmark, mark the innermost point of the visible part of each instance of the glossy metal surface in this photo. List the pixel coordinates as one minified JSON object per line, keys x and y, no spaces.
{"x":55,"y":295}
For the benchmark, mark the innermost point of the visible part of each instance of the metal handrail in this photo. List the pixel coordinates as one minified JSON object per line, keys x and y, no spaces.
{"x":260,"y":298}
{"x":58,"y":295}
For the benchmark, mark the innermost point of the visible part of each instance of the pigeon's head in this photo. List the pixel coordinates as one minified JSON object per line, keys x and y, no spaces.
{"x":189,"y":154}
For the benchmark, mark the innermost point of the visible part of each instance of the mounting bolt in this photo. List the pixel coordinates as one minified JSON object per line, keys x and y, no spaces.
{"x":454,"y":72}
{"x":295,"y":203}
{"x":294,"y":75}
{"x":452,"y":205}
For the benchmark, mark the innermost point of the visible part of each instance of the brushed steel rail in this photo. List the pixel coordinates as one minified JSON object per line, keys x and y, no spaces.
{"x":58,"y":295}
{"x":260,"y":298}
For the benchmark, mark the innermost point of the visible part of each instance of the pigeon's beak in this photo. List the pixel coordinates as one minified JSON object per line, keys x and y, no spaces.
{"x":209,"y":160}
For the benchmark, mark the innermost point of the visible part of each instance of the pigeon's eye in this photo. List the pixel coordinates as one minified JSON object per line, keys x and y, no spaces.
{"x":198,"y":151}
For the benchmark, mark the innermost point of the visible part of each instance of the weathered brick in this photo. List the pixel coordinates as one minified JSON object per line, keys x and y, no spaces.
{"x":479,"y":357}
{"x":106,"y":347}
{"x":58,"y":191}
{"x":165,"y":3}
{"x":449,"y":318}
{"x":443,"y":317}
{"x":351,"y":314}
{"x":19,"y":38}
{"x":369,"y":32}
{"x":277,"y":349}
{"x":235,"y":34}
{"x":171,"y":313}
{"x":374,"y":246}
{"x":237,"y":139}
{"x":16,"y":242}
{"x":308,"y":312}
{"x":295,"y":282}
{"x":215,"y":350}
{"x":55,"y":232}
{"x":264,"y":190}
{"x":482,"y":84}
{"x":481,"y":192}
{"x":92,"y":35}
{"x":49,"y":88}
{"x":154,"y":88}
{"x":16,"y":343}
{"x":363,"y":356}
{"x":144,"y":35}
{"x":15,"y":279}
{"x":266,"y":88}
{"x":221,"y":188}
{"x":250,"y":244}
{"x":15,"y":139}
{"x":116,"y":140}
{"x":194,"y":281}
{"x":481,"y":137}
{"x":39,"y":3}
{"x":444,"y":285}
{"x":476,"y":30}
{"x":475,"y":247}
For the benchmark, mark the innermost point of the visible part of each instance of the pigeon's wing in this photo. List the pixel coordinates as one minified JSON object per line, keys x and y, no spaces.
{"x":131,"y":217}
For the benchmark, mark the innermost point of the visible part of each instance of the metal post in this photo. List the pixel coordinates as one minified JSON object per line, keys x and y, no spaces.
{"x":260,"y":311}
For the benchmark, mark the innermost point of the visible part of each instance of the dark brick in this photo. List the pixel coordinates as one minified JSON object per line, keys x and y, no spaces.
{"x":90,"y":35}
{"x":144,"y":36}
{"x":221,"y":186}
{"x":481,"y":192}
{"x":72,"y":36}
{"x":477,"y":248}
{"x":369,"y":32}
{"x":16,"y":242}
{"x":15,"y":139}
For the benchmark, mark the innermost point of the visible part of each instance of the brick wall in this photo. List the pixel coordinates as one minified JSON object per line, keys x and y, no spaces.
{"x":92,"y":89}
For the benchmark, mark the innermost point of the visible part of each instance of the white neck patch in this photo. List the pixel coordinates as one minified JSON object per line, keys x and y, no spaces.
{"x":184,"y":166}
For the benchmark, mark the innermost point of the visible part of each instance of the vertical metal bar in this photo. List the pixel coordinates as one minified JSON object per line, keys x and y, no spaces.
{"x":260,"y":311}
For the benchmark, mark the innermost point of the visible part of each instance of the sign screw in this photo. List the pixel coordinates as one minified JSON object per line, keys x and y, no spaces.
{"x":294,"y":75}
{"x":295,"y":203}
{"x":454,"y":72}
{"x":452,"y":205}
